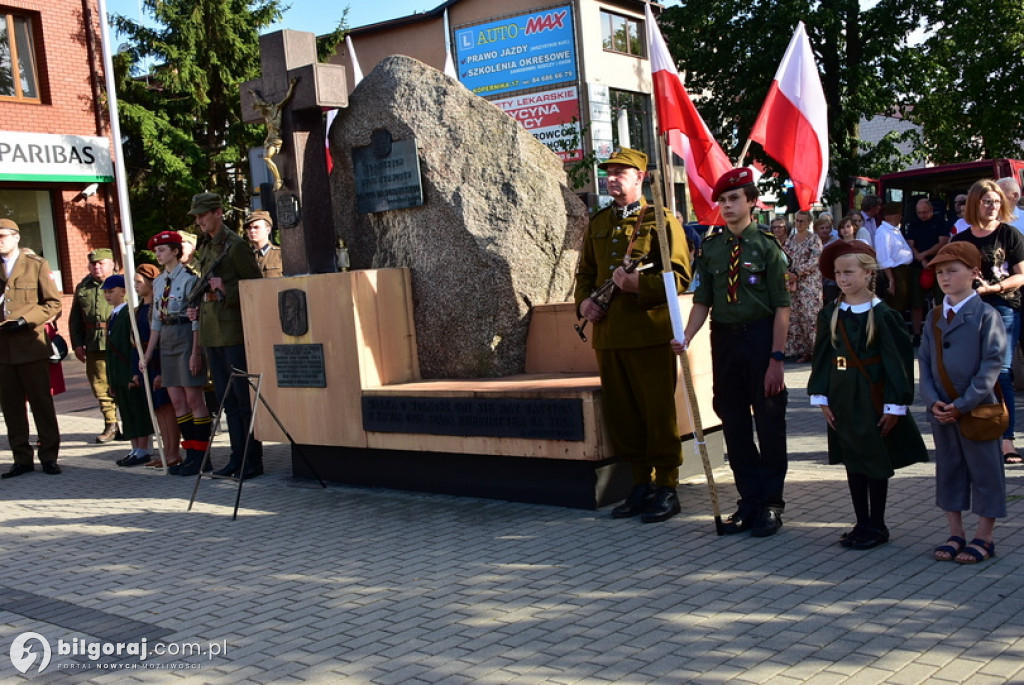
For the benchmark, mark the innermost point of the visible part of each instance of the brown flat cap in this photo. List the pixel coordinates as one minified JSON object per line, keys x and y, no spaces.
{"x":840,"y":248}
{"x":957,"y":251}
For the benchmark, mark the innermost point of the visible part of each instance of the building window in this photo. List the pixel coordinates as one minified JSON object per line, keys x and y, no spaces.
{"x":32,"y":210}
{"x":631,"y":120}
{"x":623,"y":34}
{"x":18,"y":77}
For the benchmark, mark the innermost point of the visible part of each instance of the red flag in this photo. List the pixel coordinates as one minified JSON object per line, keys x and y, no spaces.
{"x":793,"y":123}
{"x":688,"y":135}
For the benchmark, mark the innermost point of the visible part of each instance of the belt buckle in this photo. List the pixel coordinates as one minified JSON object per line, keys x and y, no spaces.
{"x":841,"y":363}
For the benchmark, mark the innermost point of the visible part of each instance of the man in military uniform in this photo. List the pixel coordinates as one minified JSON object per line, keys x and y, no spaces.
{"x":220,"y":325}
{"x":632,"y":333}
{"x":87,"y":325}
{"x":741,"y":284}
{"x":268,"y":255}
{"x":30,"y":299}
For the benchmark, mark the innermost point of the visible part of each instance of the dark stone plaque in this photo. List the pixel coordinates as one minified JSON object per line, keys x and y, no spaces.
{"x":387,"y":174}
{"x":287,"y":211}
{"x":291,"y":309}
{"x":300,"y":366}
{"x":540,"y":419}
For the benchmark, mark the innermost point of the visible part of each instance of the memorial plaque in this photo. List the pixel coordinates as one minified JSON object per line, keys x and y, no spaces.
{"x":387,"y":174}
{"x":537,"y":419}
{"x":300,"y":366}
{"x":287,"y":211}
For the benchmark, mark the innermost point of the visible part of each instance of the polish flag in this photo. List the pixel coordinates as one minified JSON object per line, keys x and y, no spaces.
{"x":449,"y":63}
{"x":357,"y":76}
{"x":793,"y":123}
{"x":688,"y":135}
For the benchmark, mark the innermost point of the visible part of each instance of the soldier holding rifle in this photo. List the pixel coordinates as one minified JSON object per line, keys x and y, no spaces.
{"x":632,"y":333}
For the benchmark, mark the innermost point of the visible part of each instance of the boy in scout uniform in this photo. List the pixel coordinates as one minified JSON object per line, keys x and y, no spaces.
{"x":741,"y":284}
{"x":29,"y":299}
{"x":268,"y":255}
{"x":631,"y":336}
{"x":87,"y":325}
{"x":220,"y":326}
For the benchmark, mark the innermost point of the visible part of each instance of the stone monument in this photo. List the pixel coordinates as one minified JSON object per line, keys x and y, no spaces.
{"x":495,"y":231}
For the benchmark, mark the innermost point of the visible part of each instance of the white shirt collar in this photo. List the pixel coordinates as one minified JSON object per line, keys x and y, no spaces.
{"x":859,"y":308}
{"x":946,"y":306}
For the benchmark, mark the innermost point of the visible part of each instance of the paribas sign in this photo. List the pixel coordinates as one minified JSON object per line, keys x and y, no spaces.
{"x":54,"y":158}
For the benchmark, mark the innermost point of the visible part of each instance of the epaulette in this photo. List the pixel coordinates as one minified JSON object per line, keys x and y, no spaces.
{"x":31,"y":254}
{"x":768,"y":234}
{"x":713,"y":233}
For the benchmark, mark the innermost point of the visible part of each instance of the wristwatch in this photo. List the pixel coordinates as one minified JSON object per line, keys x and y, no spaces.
{"x":778,"y":356}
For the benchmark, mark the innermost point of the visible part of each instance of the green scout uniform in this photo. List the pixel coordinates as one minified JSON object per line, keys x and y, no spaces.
{"x":220,"y":321}
{"x":635,"y":361}
{"x":87,"y":325}
{"x":29,"y":294}
{"x":135,"y":419}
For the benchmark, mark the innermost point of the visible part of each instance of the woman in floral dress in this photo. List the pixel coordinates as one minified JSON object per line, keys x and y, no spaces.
{"x":804,"y":249}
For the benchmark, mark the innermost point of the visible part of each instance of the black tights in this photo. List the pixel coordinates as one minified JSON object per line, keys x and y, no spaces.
{"x":869,"y":495}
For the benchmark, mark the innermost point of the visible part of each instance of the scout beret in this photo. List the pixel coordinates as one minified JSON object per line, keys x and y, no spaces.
{"x":190,"y":238}
{"x":626,"y":157}
{"x":839,"y":248}
{"x":115,"y":281}
{"x":957,"y":251}
{"x":205,"y":202}
{"x":892,"y":208}
{"x":102,"y":253}
{"x":9,"y":225}
{"x":148,"y":270}
{"x":164,"y":238}
{"x":256,"y":216}
{"x":731,"y":180}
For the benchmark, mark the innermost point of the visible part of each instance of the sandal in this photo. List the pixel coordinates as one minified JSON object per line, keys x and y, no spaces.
{"x":947,"y":552}
{"x":1012,"y":458}
{"x":978,"y":550}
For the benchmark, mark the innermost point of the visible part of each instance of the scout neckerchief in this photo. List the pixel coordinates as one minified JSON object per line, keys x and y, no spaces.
{"x":166,"y":297}
{"x":733,"y":283}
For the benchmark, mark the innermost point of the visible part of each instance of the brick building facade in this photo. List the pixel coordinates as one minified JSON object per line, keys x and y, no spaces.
{"x":56,"y":176}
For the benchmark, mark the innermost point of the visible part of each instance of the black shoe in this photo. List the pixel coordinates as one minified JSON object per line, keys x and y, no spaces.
{"x":871,"y":537}
{"x":253,"y":470}
{"x":767,"y":523}
{"x":190,"y":466}
{"x":637,"y":502}
{"x":110,"y":432}
{"x":17,"y":470}
{"x":664,"y":506}
{"x":739,"y":522}
{"x":229,"y":471}
{"x":847,"y":539}
{"x":51,"y":468}
{"x":135,"y":460}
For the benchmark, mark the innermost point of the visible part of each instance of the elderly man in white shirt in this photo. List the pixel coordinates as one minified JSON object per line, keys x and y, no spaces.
{"x":1012,"y":191}
{"x":894,"y":256}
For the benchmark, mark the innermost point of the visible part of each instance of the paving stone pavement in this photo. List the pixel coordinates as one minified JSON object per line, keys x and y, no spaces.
{"x":357,"y":585}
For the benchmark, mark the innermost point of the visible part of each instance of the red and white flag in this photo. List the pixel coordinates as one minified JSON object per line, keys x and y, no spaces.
{"x":357,"y":76}
{"x":793,"y":124}
{"x":688,"y":135}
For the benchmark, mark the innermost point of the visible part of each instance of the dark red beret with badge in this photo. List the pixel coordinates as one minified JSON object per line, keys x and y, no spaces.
{"x":731,"y":180}
{"x":164,"y":238}
{"x":839,"y":248}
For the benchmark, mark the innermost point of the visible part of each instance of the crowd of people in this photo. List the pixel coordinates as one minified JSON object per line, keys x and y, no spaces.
{"x":191,"y":338}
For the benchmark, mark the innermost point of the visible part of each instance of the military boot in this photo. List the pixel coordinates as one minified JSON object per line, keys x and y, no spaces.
{"x":110,"y":432}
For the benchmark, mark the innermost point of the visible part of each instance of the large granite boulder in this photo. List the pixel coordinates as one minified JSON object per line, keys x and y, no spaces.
{"x":499,"y":230}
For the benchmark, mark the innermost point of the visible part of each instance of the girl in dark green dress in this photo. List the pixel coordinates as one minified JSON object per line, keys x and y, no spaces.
{"x":862,"y":378}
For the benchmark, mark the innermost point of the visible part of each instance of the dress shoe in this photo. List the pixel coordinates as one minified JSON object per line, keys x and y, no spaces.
{"x":637,"y":502}
{"x":664,"y":506}
{"x":871,"y":537}
{"x":767,"y":523}
{"x":134,"y":460}
{"x":51,"y":467}
{"x":740,"y":522}
{"x":229,"y":471}
{"x":110,"y":432}
{"x":17,"y":470}
{"x":253,"y":471}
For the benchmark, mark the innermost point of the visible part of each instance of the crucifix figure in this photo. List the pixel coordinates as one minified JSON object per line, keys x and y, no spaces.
{"x":290,"y":98}
{"x":271,"y":114}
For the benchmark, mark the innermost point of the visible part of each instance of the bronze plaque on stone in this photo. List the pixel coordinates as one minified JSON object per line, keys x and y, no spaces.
{"x":300,"y":366}
{"x":387,"y":174}
{"x":287,"y":210}
{"x":291,"y":310}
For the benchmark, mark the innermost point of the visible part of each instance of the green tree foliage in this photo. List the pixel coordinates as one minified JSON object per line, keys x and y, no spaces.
{"x":969,"y":74}
{"x":181,"y":121}
{"x":730,"y":50}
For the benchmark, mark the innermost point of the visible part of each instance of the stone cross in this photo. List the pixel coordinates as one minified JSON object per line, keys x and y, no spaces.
{"x":302,"y":205}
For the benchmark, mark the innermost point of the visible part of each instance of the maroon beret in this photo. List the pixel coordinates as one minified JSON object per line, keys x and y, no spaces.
{"x":840,"y":248}
{"x":165,"y":238}
{"x":731,"y":180}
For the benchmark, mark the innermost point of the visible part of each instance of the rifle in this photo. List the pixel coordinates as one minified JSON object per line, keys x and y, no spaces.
{"x":201,"y":287}
{"x":607,"y":291}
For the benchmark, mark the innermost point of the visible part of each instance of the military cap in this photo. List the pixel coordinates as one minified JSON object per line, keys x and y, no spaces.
{"x":257,"y":215}
{"x":731,"y":180}
{"x":101,"y":253}
{"x":626,"y":157}
{"x":840,"y":248}
{"x":187,"y":237}
{"x":148,"y":270}
{"x":9,"y":225}
{"x":115,"y":281}
{"x":205,"y":202}
{"x":957,"y":251}
{"x":164,"y":238}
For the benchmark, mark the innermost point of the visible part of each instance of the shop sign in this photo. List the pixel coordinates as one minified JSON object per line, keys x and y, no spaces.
{"x":552,"y":116}
{"x":54,"y":158}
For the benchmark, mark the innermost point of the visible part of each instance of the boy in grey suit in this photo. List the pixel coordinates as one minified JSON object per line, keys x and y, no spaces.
{"x":968,"y":473}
